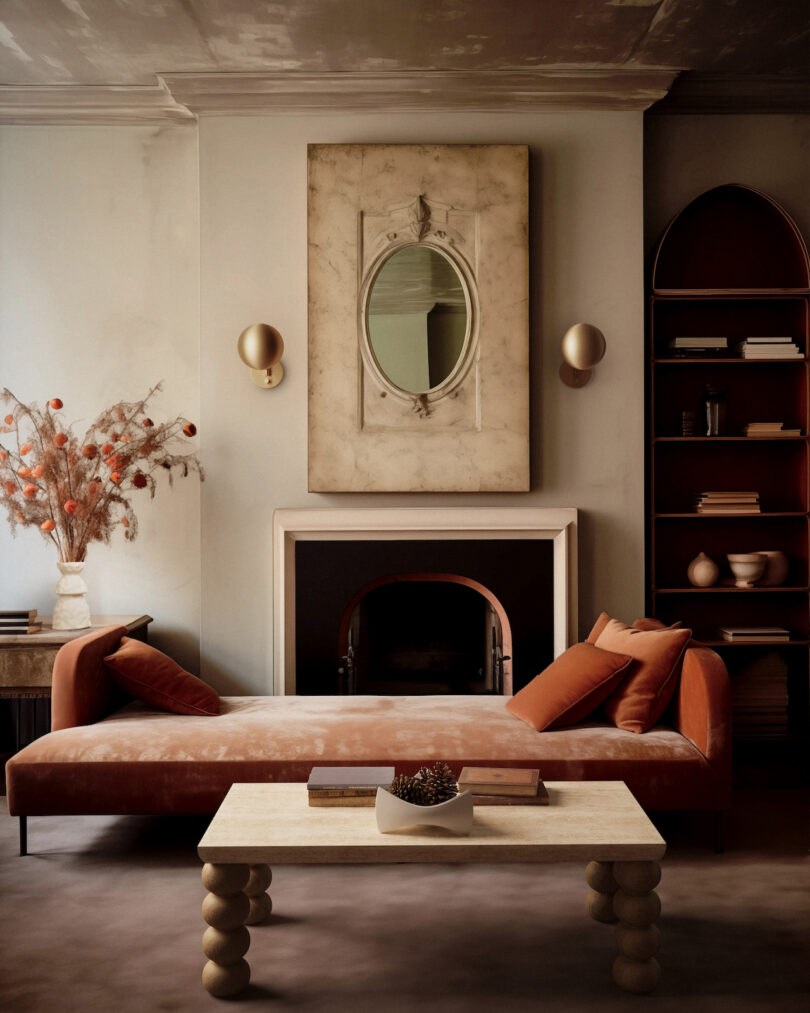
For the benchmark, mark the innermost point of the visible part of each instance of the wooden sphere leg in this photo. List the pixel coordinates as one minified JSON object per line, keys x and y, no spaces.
{"x":638,"y":907}
{"x":599,"y":902}
{"x":226,"y":908}
{"x":260,"y":904}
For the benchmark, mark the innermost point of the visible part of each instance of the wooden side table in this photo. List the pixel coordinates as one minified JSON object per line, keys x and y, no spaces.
{"x":26,"y":667}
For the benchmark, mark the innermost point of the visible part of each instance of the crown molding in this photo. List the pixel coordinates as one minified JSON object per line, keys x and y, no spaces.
{"x":725,"y":94}
{"x":87,"y":104}
{"x":403,"y":91}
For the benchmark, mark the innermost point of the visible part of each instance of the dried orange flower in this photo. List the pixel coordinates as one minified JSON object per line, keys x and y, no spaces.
{"x":190,"y":429}
{"x":93,"y":505}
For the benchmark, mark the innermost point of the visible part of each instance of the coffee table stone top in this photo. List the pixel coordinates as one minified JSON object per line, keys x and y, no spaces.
{"x":585,"y":820}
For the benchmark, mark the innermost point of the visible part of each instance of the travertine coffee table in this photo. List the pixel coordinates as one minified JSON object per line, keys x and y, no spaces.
{"x":259,"y":825}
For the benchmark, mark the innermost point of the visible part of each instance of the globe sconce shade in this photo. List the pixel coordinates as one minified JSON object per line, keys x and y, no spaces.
{"x":260,"y":347}
{"x":583,"y":346}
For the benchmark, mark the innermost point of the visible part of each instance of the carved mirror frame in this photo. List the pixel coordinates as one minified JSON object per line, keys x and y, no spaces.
{"x":471,"y":431}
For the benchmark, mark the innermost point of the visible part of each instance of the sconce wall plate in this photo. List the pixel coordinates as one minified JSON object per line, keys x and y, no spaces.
{"x":260,"y":347}
{"x":582,"y":346}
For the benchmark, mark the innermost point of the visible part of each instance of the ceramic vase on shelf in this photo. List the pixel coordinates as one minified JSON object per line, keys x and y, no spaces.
{"x":394,"y":813}
{"x":777,"y":566}
{"x":702,"y":571}
{"x":71,"y":611}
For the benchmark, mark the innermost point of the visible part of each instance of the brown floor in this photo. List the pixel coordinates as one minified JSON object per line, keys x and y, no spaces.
{"x":104,"y":916}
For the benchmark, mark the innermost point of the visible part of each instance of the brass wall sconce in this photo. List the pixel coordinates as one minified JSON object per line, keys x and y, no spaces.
{"x":583,"y":346}
{"x":260,"y":346}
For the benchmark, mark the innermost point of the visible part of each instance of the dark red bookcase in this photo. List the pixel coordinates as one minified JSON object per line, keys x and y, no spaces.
{"x":733,"y":264}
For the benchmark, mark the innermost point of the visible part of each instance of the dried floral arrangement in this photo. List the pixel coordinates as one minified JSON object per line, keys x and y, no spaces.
{"x":77,"y":491}
{"x":428,"y":787}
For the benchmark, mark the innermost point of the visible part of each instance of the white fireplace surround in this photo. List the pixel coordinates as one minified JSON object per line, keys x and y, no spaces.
{"x":410,"y":524}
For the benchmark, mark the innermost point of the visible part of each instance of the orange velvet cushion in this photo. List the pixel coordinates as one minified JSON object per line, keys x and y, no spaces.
{"x":153,"y":677}
{"x":570,"y":688}
{"x":639,"y":624}
{"x":642,"y":697}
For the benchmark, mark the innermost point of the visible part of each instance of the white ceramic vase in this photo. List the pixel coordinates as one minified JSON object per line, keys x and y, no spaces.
{"x":395,"y":813}
{"x":702,"y":571}
{"x":71,"y":611}
{"x":777,"y":567}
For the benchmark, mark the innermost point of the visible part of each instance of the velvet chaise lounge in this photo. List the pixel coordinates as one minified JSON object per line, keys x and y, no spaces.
{"x":110,"y":755}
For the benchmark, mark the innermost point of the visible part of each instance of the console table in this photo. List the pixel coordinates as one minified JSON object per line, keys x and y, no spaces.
{"x":26,"y":663}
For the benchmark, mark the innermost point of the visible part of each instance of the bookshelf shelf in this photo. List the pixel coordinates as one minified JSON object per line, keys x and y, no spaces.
{"x":707,"y":282}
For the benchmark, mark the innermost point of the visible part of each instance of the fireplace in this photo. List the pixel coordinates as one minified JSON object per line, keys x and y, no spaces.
{"x":417,"y":633}
{"x":503,"y":578}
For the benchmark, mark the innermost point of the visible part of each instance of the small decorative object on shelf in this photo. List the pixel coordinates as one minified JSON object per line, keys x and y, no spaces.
{"x":747,"y":567}
{"x":430,"y":798}
{"x":715,"y":408}
{"x":777,"y":566}
{"x":702,"y":571}
{"x":77,"y":491}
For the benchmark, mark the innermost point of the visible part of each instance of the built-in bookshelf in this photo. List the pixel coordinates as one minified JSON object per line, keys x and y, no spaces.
{"x":733,"y":265}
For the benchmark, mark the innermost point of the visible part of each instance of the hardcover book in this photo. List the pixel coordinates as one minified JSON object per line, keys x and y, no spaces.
{"x":499,"y":781}
{"x":349,"y":779}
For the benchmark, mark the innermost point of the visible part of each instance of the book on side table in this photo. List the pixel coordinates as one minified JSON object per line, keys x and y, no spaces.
{"x":347,"y":785}
{"x":503,"y":786}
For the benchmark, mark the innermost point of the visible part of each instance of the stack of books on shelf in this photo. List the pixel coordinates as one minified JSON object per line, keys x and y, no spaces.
{"x":503,"y":786}
{"x":769,"y":430}
{"x":768,"y":348}
{"x":759,"y":699}
{"x":18,"y":623}
{"x":727,"y":503}
{"x":697,"y":346}
{"x":745,"y":634}
{"x":347,"y":785}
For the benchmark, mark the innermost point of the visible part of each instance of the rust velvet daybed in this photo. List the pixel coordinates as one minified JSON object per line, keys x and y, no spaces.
{"x":107,"y":755}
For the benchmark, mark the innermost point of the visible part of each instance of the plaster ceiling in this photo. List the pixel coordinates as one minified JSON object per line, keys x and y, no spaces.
{"x":71,"y":43}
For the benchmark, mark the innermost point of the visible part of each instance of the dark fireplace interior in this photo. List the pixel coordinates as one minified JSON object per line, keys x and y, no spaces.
{"x":409,"y":636}
{"x":429,"y":639}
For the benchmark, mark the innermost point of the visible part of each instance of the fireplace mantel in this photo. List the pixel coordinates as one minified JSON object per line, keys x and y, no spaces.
{"x":411,"y":523}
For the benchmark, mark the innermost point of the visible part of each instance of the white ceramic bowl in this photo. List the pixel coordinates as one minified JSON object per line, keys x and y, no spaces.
{"x":747,"y":567}
{"x":395,"y":813}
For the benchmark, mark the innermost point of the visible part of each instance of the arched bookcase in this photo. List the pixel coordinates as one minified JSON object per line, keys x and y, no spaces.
{"x":732,"y":264}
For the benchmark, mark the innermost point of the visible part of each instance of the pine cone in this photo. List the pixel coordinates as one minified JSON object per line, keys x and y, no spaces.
{"x":428,"y":787}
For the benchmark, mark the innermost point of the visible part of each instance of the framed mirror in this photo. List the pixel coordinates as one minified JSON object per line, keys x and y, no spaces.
{"x":418,"y":318}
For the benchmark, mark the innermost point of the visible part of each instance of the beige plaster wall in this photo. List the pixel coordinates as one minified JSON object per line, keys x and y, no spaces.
{"x":685,"y":155}
{"x":586,"y":246}
{"x":99,"y":280}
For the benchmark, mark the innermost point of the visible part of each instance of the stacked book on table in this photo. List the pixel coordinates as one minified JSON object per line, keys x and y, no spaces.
{"x":768,"y":348}
{"x":745,"y":634}
{"x":698,"y":346}
{"x":769,"y":430}
{"x":503,"y":786}
{"x":347,"y":785}
{"x":727,"y":502}
{"x":18,"y":623}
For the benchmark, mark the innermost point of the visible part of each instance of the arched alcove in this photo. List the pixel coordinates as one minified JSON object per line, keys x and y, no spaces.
{"x":731,"y":237}
{"x":410,"y":633}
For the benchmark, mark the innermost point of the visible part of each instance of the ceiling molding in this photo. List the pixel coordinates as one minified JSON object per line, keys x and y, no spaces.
{"x":388,"y":91}
{"x":699,"y":93}
{"x":87,"y":104}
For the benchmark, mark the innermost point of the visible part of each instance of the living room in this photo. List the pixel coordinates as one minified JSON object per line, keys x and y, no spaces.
{"x":145,"y":222}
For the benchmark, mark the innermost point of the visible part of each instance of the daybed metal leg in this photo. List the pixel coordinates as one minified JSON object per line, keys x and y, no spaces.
{"x":23,"y":835}
{"x":719,"y":831}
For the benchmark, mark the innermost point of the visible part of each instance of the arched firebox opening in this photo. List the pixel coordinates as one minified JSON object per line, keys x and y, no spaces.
{"x":420,"y":633}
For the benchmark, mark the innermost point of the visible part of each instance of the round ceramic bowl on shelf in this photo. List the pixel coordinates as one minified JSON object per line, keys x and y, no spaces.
{"x":747,"y":567}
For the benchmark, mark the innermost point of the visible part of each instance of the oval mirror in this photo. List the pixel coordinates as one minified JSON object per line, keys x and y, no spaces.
{"x":418,"y":318}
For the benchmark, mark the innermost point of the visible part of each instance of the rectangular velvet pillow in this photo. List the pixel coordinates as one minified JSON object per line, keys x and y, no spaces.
{"x":570,"y":688}
{"x":153,"y":677}
{"x":642,"y":697}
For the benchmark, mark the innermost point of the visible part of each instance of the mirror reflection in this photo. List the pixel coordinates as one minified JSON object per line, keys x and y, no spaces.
{"x":417,"y":318}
